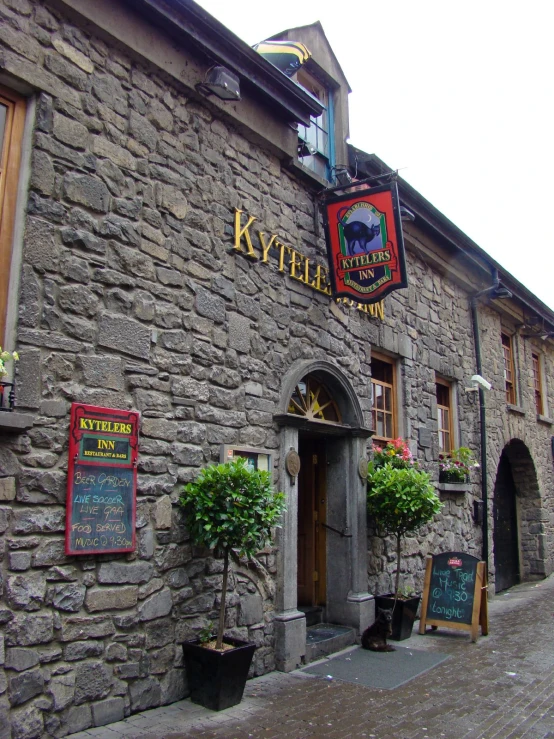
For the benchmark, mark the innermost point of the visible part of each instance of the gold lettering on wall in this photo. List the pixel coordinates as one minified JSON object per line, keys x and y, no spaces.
{"x":298,"y":266}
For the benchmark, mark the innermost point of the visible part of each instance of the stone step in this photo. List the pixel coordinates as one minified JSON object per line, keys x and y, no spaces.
{"x":325,"y":639}
{"x":314,"y":614}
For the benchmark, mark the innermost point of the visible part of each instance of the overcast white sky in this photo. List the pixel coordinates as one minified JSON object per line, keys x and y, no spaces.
{"x":457,"y":96}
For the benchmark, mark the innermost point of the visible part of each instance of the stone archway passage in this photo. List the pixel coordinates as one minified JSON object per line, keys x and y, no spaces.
{"x":505,"y":533}
{"x":517,"y":471}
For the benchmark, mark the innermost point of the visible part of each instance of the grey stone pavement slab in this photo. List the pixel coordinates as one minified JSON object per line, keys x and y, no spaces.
{"x":502,"y":687}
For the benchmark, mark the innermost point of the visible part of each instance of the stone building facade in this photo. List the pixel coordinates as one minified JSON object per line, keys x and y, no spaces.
{"x":167,"y":256}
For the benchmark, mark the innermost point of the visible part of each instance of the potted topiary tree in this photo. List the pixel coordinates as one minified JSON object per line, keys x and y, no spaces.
{"x":400,"y":499}
{"x":228,"y":507}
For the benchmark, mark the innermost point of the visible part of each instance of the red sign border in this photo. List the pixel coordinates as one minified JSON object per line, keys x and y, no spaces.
{"x":78,"y":410}
{"x":398,"y":245}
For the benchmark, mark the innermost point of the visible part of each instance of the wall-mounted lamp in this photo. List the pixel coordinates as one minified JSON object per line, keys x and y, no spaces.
{"x":220,"y":82}
{"x":342,"y":176}
{"x":406,"y":215}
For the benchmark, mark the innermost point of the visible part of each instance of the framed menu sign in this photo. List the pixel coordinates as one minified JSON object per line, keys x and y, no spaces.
{"x":101,"y":480}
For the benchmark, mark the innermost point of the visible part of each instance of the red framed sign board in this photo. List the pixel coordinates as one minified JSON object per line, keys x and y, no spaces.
{"x":101,"y":480}
{"x":365,"y":244}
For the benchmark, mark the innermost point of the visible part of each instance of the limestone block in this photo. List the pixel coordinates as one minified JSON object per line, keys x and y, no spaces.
{"x":250,"y":610}
{"x":27,"y":629}
{"x":78,"y":650}
{"x":21,"y":659}
{"x":83,"y":627}
{"x":119,"y":573}
{"x":25,"y":686}
{"x":62,"y":690}
{"x":104,"y":599}
{"x":108,"y":711}
{"x":156,"y":606}
{"x":26,"y":591}
{"x":88,"y":191}
{"x":124,"y":335}
{"x":145,"y":694}
{"x":27,"y":721}
{"x":7,"y":488}
{"x":77,"y":718}
{"x":71,"y":53}
{"x":174,"y":686}
{"x":93,"y":681}
{"x":162,"y":512}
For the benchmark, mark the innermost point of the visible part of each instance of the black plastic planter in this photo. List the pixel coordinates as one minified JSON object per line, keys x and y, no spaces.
{"x":404,"y":614}
{"x":217,"y":679}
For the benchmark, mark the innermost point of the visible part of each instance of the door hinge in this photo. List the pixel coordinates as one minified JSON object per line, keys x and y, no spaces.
{"x":316,"y":576}
{"x":314,"y":458}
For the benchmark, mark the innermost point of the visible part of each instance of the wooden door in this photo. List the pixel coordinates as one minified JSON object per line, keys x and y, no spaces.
{"x":505,"y":535}
{"x":312,"y":505}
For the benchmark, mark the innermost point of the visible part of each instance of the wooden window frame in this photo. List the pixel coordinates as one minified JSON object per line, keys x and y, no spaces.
{"x":537,"y":382}
{"x":322,"y":126}
{"x":10,"y":162}
{"x":393,"y":387}
{"x":509,"y":368}
{"x":450,"y":411}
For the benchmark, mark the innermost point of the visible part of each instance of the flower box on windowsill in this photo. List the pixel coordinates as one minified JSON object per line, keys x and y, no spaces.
{"x":453,"y":487}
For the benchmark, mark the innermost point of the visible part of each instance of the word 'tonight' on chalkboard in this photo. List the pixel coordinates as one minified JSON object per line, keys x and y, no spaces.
{"x":102,"y":480}
{"x":455,"y":593}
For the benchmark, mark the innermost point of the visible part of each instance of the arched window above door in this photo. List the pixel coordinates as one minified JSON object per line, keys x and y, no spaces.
{"x":312,"y":400}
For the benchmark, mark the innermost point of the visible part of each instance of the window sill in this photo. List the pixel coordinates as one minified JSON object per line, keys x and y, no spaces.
{"x":305,"y":172}
{"x":453,"y":487}
{"x":545,"y":419}
{"x":515,"y":409}
{"x":14,"y":422}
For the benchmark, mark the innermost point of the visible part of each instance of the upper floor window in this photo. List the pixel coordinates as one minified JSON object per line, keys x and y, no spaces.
{"x":318,"y":151}
{"x":382,"y":398}
{"x":444,"y":415}
{"x":537,"y":384}
{"x":509,"y":372}
{"x":12,"y":118}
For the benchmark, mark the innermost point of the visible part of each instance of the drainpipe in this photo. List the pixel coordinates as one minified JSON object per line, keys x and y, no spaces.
{"x":483,"y":427}
{"x":495,"y":291}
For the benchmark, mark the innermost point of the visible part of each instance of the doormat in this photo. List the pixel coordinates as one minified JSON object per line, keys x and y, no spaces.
{"x":385,"y":670}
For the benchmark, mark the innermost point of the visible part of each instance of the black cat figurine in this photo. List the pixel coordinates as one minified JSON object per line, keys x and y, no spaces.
{"x":374,"y":637}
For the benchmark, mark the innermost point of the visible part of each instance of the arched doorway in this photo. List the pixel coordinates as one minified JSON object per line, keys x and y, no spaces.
{"x":519,"y":519}
{"x":313,"y":401}
{"x":322,"y":545}
{"x":506,"y":540}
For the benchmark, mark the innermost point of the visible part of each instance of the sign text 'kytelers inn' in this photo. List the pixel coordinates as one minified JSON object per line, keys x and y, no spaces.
{"x":291,"y":262}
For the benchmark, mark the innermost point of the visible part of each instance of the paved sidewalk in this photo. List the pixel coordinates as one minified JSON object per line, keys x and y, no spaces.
{"x":502,"y":687}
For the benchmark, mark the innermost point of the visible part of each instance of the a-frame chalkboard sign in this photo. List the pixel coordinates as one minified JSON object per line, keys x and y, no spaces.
{"x":455,"y":593}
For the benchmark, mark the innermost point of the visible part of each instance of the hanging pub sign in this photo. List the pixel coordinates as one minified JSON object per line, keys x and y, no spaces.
{"x":101,"y":480}
{"x":365,"y":245}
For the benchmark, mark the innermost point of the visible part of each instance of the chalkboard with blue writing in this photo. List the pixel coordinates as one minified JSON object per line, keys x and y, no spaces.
{"x":455,"y":593}
{"x":101,"y":484}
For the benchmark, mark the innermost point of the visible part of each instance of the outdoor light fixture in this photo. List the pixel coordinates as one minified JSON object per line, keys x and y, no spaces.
{"x":342,"y":176}
{"x":406,"y":215}
{"x":220,"y":82}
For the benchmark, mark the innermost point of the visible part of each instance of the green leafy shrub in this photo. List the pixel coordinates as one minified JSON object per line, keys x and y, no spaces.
{"x":231,"y":506}
{"x":400,"y":500}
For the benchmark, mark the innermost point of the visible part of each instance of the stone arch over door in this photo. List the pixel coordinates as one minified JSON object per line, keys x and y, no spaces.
{"x":347,"y":599}
{"x":518,"y":468}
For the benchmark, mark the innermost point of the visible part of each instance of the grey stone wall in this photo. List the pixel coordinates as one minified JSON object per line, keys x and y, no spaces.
{"x":132,"y":296}
{"x":428,"y":328}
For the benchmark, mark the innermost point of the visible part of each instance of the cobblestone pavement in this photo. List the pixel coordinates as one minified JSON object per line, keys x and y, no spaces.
{"x":502,"y":687}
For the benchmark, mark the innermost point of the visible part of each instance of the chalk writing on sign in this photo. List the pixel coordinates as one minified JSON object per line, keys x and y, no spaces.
{"x":101,"y":496}
{"x":452,"y":587}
